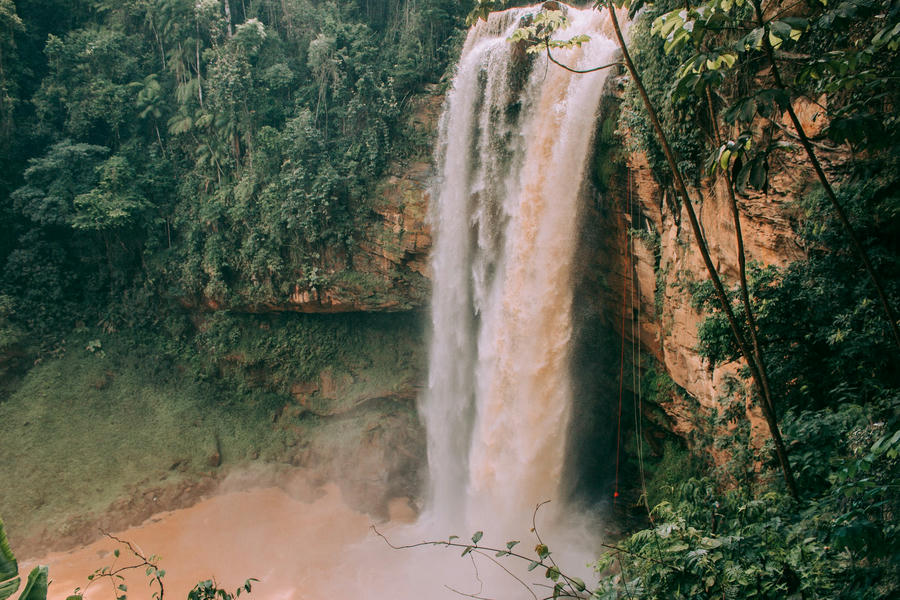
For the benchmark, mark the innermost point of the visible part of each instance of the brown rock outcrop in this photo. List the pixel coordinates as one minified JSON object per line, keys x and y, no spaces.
{"x":663,"y":261}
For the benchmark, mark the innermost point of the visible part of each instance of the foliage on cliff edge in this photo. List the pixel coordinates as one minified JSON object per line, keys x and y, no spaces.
{"x":179,"y":150}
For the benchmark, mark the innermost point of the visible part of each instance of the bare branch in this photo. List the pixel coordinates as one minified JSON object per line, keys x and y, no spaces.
{"x":510,"y":573}
{"x":617,"y":63}
{"x":794,"y":136}
{"x":477,"y":594}
{"x":477,"y":597}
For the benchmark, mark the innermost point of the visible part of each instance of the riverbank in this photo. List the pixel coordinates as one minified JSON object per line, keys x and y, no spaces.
{"x":117,"y":427}
{"x":286,"y":535}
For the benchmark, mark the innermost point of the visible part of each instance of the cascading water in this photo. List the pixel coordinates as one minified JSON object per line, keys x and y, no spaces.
{"x":514,"y":141}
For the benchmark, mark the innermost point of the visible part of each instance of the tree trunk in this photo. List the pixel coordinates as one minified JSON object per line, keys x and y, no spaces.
{"x":228,"y":19}
{"x":780,"y":449}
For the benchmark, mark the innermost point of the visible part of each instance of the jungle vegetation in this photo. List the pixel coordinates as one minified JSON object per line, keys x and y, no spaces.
{"x":173,"y":149}
{"x":156,"y":151}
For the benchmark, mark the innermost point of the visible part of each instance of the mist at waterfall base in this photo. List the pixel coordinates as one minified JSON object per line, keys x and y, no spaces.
{"x":514,"y":141}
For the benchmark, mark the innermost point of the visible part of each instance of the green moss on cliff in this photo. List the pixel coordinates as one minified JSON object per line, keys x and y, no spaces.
{"x":116,"y":414}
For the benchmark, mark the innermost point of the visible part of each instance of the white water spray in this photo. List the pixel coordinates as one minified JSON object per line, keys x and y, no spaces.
{"x":514,"y":141}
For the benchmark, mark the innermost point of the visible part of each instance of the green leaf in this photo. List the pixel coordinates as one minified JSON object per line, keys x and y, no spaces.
{"x":759,"y":173}
{"x":510,"y":545}
{"x":686,"y":86}
{"x":665,"y":25}
{"x":780,"y":30}
{"x":676,"y":41}
{"x":36,"y":587}
{"x":552,"y":573}
{"x":476,"y":537}
{"x":534,"y":564}
{"x":715,"y":63}
{"x":751,"y":41}
{"x":724,"y":158}
{"x":466,"y":551}
{"x":748,"y":110}
{"x":9,"y":587}
{"x":8,"y":566}
{"x":889,"y":36}
{"x":884,"y":443}
{"x":797,"y":24}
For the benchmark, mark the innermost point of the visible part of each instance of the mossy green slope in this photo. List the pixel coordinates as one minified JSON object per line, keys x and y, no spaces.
{"x":115,"y":415}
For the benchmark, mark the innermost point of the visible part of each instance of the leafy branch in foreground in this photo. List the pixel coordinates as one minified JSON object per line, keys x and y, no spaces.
{"x":563,"y":584}
{"x":209,"y":590}
{"x":536,"y":32}
{"x":755,"y":543}
{"x":116,"y":579}
{"x":204,"y":590}
{"x":706,"y":542}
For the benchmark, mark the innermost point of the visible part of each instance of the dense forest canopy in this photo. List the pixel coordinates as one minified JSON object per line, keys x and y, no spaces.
{"x":179,"y":149}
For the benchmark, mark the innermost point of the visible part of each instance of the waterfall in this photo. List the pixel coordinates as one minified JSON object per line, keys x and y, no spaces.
{"x":514,"y":141}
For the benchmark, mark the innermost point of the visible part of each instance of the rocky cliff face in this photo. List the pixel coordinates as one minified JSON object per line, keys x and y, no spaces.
{"x":648,"y":260}
{"x":388,"y":265}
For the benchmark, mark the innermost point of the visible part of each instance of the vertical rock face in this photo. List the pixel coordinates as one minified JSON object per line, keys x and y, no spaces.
{"x":390,"y":262}
{"x":646,"y":260}
{"x":667,"y":322}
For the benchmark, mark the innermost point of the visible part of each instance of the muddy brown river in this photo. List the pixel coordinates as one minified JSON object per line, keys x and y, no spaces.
{"x":293,"y":546}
